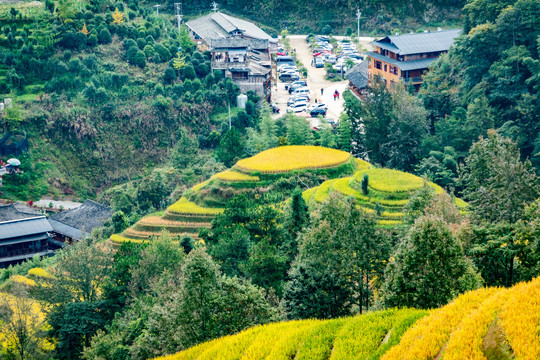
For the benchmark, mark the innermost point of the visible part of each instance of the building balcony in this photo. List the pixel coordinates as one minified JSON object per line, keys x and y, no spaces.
{"x":223,"y":65}
{"x":414,"y":80}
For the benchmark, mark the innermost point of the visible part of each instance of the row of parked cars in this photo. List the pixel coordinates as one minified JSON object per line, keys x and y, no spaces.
{"x":324,"y":52}
{"x":300,"y":98}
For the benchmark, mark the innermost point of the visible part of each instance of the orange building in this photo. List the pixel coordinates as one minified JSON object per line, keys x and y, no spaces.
{"x":405,"y":58}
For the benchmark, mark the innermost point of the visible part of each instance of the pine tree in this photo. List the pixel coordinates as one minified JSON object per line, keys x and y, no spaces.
{"x":118,"y":17}
{"x":85,"y":30}
{"x":365,"y":184}
{"x":297,"y":220}
{"x":344,"y":133}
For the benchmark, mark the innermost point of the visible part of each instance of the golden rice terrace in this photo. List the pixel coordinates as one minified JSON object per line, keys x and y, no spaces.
{"x":389,"y":189}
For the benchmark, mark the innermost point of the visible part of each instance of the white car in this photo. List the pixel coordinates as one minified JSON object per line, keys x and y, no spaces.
{"x":298,"y":107}
{"x":284,"y":67}
{"x":301,"y":91}
{"x":293,"y":101}
{"x":340,"y":67}
{"x":318,"y":106}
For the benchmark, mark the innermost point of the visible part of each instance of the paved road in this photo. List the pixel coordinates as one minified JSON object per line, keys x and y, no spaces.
{"x":316,"y":79}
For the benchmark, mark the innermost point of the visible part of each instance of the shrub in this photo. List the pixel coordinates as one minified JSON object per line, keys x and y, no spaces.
{"x":104,"y":36}
{"x":139,"y":59}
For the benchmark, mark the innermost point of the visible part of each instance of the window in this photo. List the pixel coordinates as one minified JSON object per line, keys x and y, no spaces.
{"x":378,"y":65}
{"x":385,"y":67}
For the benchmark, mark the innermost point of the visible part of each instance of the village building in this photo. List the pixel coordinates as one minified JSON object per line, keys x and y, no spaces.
{"x":245,"y":61}
{"x":358,"y":79}
{"x":76,"y":224}
{"x":221,"y":26}
{"x":24,"y":233}
{"x":239,"y":48}
{"x":406,"y":58}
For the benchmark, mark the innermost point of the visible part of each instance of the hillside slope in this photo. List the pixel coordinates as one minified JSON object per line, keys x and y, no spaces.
{"x":490,"y":323}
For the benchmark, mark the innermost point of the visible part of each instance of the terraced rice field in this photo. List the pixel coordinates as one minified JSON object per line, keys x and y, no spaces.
{"x":463,"y":329}
{"x":197,"y":208}
{"x":389,"y":190}
{"x":388,"y":204}
{"x":288,"y":158}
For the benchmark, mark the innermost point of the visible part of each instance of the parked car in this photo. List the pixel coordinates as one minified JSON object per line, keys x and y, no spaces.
{"x":318,"y":106}
{"x":281,"y":60}
{"x":298,"y":82}
{"x":297,"y":85}
{"x":317,"y":112}
{"x":340,"y":67}
{"x":318,"y":62}
{"x":281,"y":68}
{"x":294,"y":100}
{"x":298,"y":107}
{"x":331,"y":59}
{"x":289,"y":77}
{"x":301,"y":91}
{"x":356,"y":56}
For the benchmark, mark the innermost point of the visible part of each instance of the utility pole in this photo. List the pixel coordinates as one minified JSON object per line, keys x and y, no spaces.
{"x":214,"y":7}
{"x":179,"y":16}
{"x":358,"y":13}
{"x":157,"y":9}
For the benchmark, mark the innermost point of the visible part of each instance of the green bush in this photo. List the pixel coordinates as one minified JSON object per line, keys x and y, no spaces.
{"x":104,"y":36}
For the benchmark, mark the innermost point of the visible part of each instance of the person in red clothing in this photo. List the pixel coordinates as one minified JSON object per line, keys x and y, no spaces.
{"x":335,"y":95}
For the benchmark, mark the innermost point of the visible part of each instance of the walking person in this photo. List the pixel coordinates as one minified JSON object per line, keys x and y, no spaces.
{"x":335,"y":96}
{"x":337,"y":93}
{"x":322,"y":91}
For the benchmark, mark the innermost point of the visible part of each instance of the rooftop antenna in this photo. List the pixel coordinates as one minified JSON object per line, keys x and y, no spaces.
{"x":157,"y":9}
{"x":214,"y":7}
{"x":179,"y":16}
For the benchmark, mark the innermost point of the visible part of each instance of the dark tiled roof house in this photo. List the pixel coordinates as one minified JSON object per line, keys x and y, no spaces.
{"x":24,"y":233}
{"x":76,"y":224}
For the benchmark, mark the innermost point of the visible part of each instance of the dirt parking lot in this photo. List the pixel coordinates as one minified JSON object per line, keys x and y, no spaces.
{"x":315,"y":79}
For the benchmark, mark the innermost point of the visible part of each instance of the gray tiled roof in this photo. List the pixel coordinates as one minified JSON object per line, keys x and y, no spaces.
{"x":358,"y":75}
{"x":218,"y":25}
{"x":257,"y":69}
{"x":67,"y":230}
{"x":235,"y":42}
{"x":419,"y":43}
{"x":24,"y":227}
{"x":85,"y":218}
{"x":403,"y":65}
{"x":17,"y":211}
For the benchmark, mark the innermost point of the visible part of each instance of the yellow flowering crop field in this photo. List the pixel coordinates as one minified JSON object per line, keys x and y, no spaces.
{"x":294,"y":157}
{"x":232,"y":176}
{"x":184,"y":206}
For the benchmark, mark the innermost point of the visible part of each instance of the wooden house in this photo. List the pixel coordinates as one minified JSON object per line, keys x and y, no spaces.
{"x":406,"y":58}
